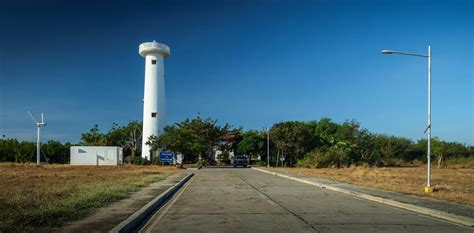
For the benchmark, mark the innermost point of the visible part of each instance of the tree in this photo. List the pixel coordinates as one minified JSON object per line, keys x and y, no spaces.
{"x":294,"y":138}
{"x":196,"y":138}
{"x":180,"y":139}
{"x":7,"y":149}
{"x":56,"y":152}
{"x":128,"y":137}
{"x":25,"y":152}
{"x":94,"y":137}
{"x":253,"y":143}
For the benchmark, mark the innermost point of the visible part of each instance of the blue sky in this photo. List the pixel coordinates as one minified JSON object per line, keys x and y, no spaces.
{"x":249,"y":63}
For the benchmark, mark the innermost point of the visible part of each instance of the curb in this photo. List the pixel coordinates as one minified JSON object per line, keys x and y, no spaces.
{"x":135,"y":220}
{"x":463,"y":220}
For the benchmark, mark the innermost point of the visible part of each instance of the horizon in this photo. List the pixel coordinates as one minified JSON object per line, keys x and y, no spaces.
{"x":250,"y":64}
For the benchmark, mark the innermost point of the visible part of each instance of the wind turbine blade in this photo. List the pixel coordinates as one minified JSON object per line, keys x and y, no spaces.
{"x":42,"y":120}
{"x":32,"y":117}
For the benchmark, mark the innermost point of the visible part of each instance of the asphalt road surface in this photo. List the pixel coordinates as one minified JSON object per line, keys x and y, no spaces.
{"x":245,"y":200}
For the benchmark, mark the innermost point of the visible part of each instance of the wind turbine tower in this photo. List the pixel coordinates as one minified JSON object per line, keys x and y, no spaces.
{"x":154,"y":96}
{"x":38,"y":141}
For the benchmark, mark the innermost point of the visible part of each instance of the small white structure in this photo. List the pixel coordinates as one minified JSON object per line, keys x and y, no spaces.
{"x":96,"y":155}
{"x":154,"y":95}
{"x":179,"y":158}
{"x":217,"y":154}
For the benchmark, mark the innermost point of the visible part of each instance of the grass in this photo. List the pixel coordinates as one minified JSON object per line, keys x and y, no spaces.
{"x":461,"y":162}
{"x":38,"y":198}
{"x":450,"y":184}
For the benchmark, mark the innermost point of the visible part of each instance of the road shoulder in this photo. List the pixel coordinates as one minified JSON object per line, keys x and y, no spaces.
{"x":461,"y":214}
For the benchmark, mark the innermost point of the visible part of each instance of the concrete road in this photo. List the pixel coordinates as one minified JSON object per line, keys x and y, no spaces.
{"x":245,"y":200}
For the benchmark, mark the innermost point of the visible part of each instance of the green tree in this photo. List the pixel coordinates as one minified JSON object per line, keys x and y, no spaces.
{"x":7,"y":149}
{"x":128,"y":137}
{"x":56,"y":152}
{"x":25,"y":152}
{"x":94,"y":137}
{"x":294,"y":139}
{"x":253,"y":143}
{"x":196,"y":138}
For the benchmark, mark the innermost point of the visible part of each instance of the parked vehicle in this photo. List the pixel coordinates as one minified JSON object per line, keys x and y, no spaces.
{"x":240,"y":160}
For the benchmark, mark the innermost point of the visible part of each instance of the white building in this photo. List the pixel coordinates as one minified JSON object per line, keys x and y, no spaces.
{"x":96,"y":155}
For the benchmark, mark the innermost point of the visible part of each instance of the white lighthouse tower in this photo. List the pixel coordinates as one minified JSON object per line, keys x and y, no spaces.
{"x":154,"y":95}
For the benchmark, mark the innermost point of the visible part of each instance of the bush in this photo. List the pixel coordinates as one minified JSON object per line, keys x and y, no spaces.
{"x":258,"y":162}
{"x":391,"y":162}
{"x":333,"y":156}
{"x":139,"y":161}
{"x":307,"y":161}
{"x":461,"y":162}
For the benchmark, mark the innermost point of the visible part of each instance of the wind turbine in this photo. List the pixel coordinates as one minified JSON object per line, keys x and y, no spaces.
{"x":38,"y":142}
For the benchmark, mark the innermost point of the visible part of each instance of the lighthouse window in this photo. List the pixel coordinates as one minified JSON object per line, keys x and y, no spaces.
{"x":153,"y":62}
{"x":153,"y":114}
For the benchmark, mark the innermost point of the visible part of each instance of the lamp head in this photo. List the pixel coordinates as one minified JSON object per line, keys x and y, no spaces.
{"x":387,"y":52}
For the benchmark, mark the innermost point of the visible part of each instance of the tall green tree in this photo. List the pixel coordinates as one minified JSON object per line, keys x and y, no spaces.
{"x":94,"y":137}
{"x":196,"y":138}
{"x":253,"y":143}
{"x":294,"y":139}
{"x":129,"y":137}
{"x":56,"y":152}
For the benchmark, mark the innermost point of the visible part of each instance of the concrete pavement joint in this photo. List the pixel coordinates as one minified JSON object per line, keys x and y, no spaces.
{"x":276,"y":203}
{"x":463,"y":220}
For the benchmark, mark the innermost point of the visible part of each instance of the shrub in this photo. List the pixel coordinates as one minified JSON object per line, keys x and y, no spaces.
{"x":307,"y":161}
{"x":139,"y":161}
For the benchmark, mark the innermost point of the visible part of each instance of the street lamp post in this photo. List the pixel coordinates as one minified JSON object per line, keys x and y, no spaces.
{"x":268,"y":147}
{"x":428,"y":187}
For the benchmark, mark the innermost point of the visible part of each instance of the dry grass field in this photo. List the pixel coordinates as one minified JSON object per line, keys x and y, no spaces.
{"x":37,"y":198}
{"x":450,"y":184}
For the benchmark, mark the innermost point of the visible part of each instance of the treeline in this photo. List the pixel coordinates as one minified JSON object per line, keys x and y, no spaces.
{"x":128,"y":137}
{"x":12,"y":150}
{"x":325,"y":143}
{"x":322,"y":143}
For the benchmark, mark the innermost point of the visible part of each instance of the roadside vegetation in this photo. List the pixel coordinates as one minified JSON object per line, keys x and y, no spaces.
{"x":327,"y":144}
{"x":39,"y":198}
{"x":312,"y":144}
{"x":454,"y":185}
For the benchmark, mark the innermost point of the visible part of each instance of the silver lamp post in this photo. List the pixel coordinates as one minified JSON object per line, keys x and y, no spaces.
{"x":428,"y":187}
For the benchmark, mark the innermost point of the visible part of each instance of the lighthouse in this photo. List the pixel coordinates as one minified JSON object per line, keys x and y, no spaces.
{"x":154,"y":94}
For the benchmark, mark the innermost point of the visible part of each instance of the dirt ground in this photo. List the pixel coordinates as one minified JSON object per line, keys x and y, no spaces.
{"x":39,"y":197}
{"x":454,"y":185}
{"x":15,"y":178}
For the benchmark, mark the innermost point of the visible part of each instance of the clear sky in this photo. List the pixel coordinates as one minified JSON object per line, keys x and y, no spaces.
{"x":249,"y":63}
